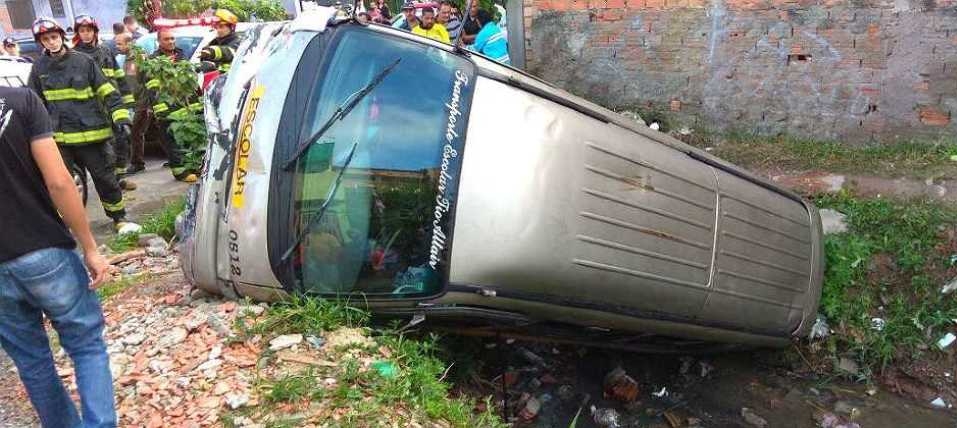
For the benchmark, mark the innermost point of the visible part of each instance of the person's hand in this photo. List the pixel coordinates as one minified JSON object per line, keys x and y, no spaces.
{"x":127,"y":130}
{"x":98,"y":268}
{"x":205,"y":66}
{"x":206,"y":54}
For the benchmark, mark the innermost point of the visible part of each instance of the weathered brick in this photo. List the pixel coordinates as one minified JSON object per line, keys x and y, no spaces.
{"x":933,"y":116}
{"x":778,"y":63}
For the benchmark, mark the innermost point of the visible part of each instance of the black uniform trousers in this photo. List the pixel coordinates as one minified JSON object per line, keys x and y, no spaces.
{"x":98,"y":160}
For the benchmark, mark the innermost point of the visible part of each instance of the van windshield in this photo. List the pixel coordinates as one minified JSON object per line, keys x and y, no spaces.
{"x":386,"y":228}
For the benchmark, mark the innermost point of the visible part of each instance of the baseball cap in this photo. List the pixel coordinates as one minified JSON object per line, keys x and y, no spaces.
{"x":9,"y":41}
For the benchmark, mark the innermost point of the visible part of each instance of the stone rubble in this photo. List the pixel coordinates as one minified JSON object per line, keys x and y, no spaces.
{"x":170,"y":349}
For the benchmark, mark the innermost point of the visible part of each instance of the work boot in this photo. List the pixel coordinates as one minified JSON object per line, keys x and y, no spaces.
{"x":127,"y":185}
{"x":133,"y":169}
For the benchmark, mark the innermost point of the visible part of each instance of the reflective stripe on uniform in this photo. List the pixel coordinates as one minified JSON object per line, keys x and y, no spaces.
{"x":83,"y":136}
{"x":108,"y":72}
{"x":160,"y":108}
{"x":118,"y":73}
{"x":153,"y":84}
{"x":217,"y":52}
{"x":128,"y":99}
{"x":181,"y":113}
{"x":105,"y":89}
{"x":68,"y":94}
{"x":224,"y":68}
{"x":119,"y":206}
{"x":121,"y":114}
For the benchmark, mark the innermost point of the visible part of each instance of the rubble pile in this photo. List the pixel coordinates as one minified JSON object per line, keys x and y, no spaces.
{"x":173,"y":356}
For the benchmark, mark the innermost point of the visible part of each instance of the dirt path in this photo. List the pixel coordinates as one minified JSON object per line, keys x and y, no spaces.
{"x":15,"y":412}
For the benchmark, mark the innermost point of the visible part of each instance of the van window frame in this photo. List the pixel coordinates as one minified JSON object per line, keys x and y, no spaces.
{"x":282,"y":212}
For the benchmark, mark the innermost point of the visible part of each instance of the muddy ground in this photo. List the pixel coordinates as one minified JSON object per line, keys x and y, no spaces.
{"x":709,"y":391}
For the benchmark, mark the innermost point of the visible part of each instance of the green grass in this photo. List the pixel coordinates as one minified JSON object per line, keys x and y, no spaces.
{"x":416,"y":390}
{"x":305,"y":315}
{"x":112,"y":288}
{"x":891,"y":264}
{"x":162,"y":223}
{"x":916,"y":159}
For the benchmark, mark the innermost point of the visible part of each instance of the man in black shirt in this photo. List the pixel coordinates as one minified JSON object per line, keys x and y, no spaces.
{"x":42,"y":275}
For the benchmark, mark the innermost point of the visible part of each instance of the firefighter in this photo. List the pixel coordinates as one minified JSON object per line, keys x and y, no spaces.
{"x":219,"y":53}
{"x":163,"y":112}
{"x":84,"y":107}
{"x":87,"y":40}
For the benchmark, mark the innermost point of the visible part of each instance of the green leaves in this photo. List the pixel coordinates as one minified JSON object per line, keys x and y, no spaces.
{"x":179,"y":87}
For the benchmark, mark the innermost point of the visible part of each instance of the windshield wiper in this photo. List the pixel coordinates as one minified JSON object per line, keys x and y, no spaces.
{"x":322,"y":209}
{"x":341,"y":112}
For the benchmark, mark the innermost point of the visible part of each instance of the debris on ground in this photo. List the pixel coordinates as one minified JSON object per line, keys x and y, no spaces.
{"x":620,"y":386}
{"x":752,"y":418}
{"x":949,"y":287}
{"x":939,"y":403}
{"x":285,"y":341}
{"x":530,"y":410}
{"x":833,"y":221}
{"x":605,"y":417}
{"x":820,"y":329}
{"x":946,"y":341}
{"x":848,"y":366}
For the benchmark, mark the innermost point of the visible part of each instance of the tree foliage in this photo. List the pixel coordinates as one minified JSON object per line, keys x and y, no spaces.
{"x":179,"y":87}
{"x":246,"y":10}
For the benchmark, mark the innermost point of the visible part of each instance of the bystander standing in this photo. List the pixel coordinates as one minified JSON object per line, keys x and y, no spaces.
{"x":42,"y":276}
{"x":431,"y":29}
{"x":451,"y":22}
{"x":490,"y":40}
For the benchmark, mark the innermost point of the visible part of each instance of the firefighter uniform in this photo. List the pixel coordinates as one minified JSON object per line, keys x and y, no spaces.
{"x":107,"y":62}
{"x":218,"y":55}
{"x":164,"y":113}
{"x":84,"y":106}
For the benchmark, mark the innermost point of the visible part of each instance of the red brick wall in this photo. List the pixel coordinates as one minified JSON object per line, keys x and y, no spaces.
{"x":848,"y":70}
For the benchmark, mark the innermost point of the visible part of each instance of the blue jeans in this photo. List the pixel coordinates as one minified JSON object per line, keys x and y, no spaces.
{"x":54,"y":282}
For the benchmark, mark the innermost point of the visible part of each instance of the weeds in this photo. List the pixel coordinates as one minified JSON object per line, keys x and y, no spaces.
{"x":112,"y":288}
{"x":890,"y":265}
{"x":917,"y":159}
{"x":398,"y":381}
{"x":308,"y":316}
{"x":162,"y":223}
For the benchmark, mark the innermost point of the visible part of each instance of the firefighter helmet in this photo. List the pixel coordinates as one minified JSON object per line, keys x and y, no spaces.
{"x":84,"y":19}
{"x":227,"y":17}
{"x":45,"y":25}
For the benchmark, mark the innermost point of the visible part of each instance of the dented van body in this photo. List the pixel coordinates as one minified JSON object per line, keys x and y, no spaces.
{"x":365,"y":163}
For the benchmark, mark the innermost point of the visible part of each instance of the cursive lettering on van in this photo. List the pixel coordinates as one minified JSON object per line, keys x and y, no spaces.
{"x":443,"y":203}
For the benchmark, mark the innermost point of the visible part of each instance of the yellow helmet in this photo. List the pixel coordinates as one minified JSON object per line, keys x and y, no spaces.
{"x":227,"y":17}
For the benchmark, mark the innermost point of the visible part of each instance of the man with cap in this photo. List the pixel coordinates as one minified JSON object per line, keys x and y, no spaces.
{"x":410,"y":21}
{"x":11,"y":48}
